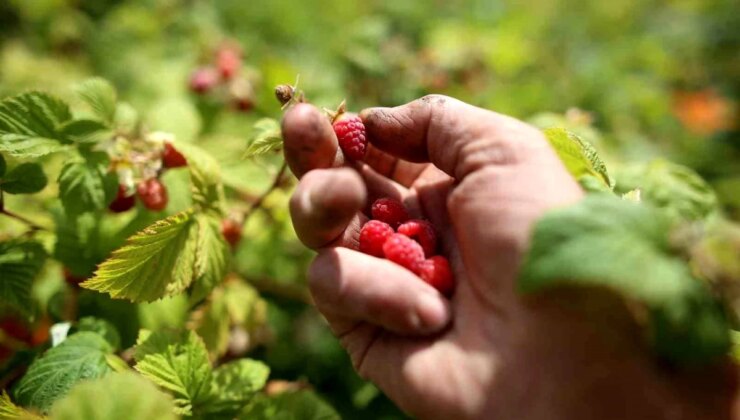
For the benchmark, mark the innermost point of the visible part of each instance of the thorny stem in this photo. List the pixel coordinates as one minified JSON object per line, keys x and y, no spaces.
{"x":257,"y":204}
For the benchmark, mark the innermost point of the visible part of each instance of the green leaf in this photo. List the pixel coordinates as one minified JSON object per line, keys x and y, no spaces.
{"x":10,"y":411}
{"x":606,"y":241}
{"x":170,"y":312}
{"x":20,"y":262}
{"x":80,"y":244}
{"x":235,"y":384}
{"x":265,"y":138}
{"x":177,"y":362}
{"x":3,"y":166}
{"x":116,"y":363}
{"x":22,"y":146}
{"x":177,"y":115}
{"x":81,"y":356}
{"x":205,"y":175}
{"x":29,"y":124}
{"x":211,"y":322}
{"x":234,"y":304}
{"x":126,"y":119}
{"x":118,"y":396}
{"x":35,"y":114}
{"x":735,"y":337}
{"x":86,"y":185}
{"x":212,"y":255}
{"x":26,"y":178}
{"x":578,"y":155}
{"x":101,"y":327}
{"x":85,"y":131}
{"x":678,"y":190}
{"x":101,"y":96}
{"x":301,"y":405}
{"x":156,"y":262}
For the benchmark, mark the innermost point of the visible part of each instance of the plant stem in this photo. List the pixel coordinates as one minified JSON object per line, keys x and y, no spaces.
{"x":257,"y":204}
{"x":20,"y":218}
{"x":292,"y":292}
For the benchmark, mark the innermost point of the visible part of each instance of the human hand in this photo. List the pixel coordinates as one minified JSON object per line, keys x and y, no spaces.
{"x":482,"y":179}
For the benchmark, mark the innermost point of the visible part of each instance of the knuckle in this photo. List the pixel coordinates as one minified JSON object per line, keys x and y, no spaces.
{"x":322,"y":273}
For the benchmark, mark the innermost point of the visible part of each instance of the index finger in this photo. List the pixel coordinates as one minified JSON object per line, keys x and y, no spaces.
{"x":309,"y":140}
{"x":456,"y":137}
{"x":310,"y":143}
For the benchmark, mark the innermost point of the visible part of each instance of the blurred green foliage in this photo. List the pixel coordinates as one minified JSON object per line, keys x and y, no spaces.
{"x":648,"y":78}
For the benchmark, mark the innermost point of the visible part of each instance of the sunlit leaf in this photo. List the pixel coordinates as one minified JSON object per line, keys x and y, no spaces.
{"x":177,"y":362}
{"x":159,"y":261}
{"x":118,"y":396}
{"x":267,"y":137}
{"x":677,"y":189}
{"x":29,"y":124}
{"x":205,"y":176}
{"x":10,"y":411}
{"x":23,"y":146}
{"x":212,"y":256}
{"x":301,"y":405}
{"x":101,"y":96}
{"x":578,"y":156}
{"x":235,"y":384}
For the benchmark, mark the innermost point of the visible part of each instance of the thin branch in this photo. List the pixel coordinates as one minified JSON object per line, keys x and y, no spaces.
{"x":257,"y":204}
{"x":268,"y":286}
{"x":20,"y":218}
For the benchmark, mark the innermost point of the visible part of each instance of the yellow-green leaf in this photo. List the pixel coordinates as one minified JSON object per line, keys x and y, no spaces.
{"x":578,"y":156}
{"x":159,"y":261}
{"x":177,"y":362}
{"x":118,"y":396}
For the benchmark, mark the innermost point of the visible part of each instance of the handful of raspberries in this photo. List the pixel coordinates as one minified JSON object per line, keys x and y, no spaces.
{"x":410,"y":243}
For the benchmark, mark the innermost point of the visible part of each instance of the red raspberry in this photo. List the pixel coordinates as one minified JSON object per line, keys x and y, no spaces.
{"x":437,"y":273}
{"x":122,"y":202}
{"x":350,"y":132}
{"x":423,"y":233}
{"x":390,"y":211}
{"x":232,"y":231}
{"x":403,"y":251}
{"x":372,"y":237}
{"x":15,"y":328}
{"x":228,"y":62}
{"x":203,"y":79}
{"x":171,"y":158}
{"x":243,"y":104}
{"x":153,"y":194}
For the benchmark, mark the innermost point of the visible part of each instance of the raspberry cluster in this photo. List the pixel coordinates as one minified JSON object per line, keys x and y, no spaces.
{"x":410,"y":243}
{"x":221,"y":80}
{"x":151,"y":191}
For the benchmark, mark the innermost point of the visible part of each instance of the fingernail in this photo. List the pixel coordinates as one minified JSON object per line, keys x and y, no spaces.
{"x":433,"y":312}
{"x":365,"y":113}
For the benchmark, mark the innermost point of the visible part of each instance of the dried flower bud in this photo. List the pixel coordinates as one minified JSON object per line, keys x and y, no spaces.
{"x":284,"y":93}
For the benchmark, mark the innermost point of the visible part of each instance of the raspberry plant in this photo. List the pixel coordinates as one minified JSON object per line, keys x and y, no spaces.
{"x":142,"y":217}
